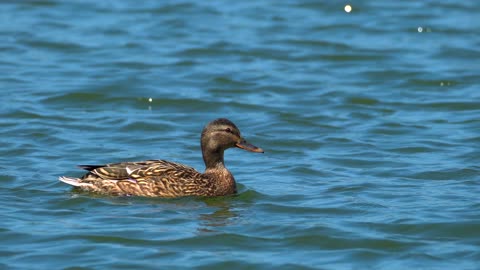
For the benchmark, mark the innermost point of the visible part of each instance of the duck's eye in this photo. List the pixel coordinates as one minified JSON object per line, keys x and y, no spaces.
{"x":228,"y":130}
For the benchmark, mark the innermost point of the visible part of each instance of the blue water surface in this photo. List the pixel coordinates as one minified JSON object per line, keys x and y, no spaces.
{"x":369,"y":119}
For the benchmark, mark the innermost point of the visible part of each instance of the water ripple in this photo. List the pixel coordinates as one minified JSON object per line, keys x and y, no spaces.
{"x":369,"y":122}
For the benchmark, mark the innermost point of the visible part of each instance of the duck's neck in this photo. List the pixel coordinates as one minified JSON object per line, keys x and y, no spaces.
{"x":213,"y":159}
{"x":216,"y":170}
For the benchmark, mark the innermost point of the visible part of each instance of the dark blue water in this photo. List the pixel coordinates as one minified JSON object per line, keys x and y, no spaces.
{"x":370,"y":122}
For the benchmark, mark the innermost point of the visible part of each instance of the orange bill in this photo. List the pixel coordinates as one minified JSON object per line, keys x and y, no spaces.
{"x":249,"y":147}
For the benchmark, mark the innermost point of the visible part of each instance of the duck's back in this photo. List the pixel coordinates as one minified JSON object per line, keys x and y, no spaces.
{"x":152,"y":178}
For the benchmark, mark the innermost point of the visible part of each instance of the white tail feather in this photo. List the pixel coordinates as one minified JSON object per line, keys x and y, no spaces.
{"x":73,"y":181}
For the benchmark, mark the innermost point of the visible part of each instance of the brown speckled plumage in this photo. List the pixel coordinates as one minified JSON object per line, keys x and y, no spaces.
{"x":161,"y":178}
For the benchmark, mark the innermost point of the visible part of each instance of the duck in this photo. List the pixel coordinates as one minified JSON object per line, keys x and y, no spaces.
{"x":162,"y":178}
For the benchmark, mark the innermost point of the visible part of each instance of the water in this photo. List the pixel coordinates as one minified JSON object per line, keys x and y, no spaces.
{"x":369,"y":120}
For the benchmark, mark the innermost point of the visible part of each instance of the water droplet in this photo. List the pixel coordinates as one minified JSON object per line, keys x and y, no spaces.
{"x":348,"y":8}
{"x":420,"y":29}
{"x":150,"y":100}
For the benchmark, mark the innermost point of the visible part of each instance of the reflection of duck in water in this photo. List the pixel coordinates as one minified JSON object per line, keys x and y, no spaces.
{"x":161,"y":178}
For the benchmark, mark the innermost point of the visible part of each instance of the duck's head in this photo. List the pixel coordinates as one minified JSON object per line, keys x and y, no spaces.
{"x":219,"y":135}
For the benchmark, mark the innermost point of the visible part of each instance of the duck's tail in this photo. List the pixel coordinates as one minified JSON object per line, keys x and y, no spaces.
{"x":73,"y":181}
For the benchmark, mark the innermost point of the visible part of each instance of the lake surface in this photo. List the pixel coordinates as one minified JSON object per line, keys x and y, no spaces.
{"x":370,"y":122}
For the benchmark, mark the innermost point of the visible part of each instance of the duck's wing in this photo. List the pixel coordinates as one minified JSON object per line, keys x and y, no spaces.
{"x":147,"y":178}
{"x":161,"y":168}
{"x":168,"y":179}
{"x":117,"y":171}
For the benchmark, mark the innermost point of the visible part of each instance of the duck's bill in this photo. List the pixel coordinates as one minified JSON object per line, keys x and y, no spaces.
{"x":249,"y":147}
